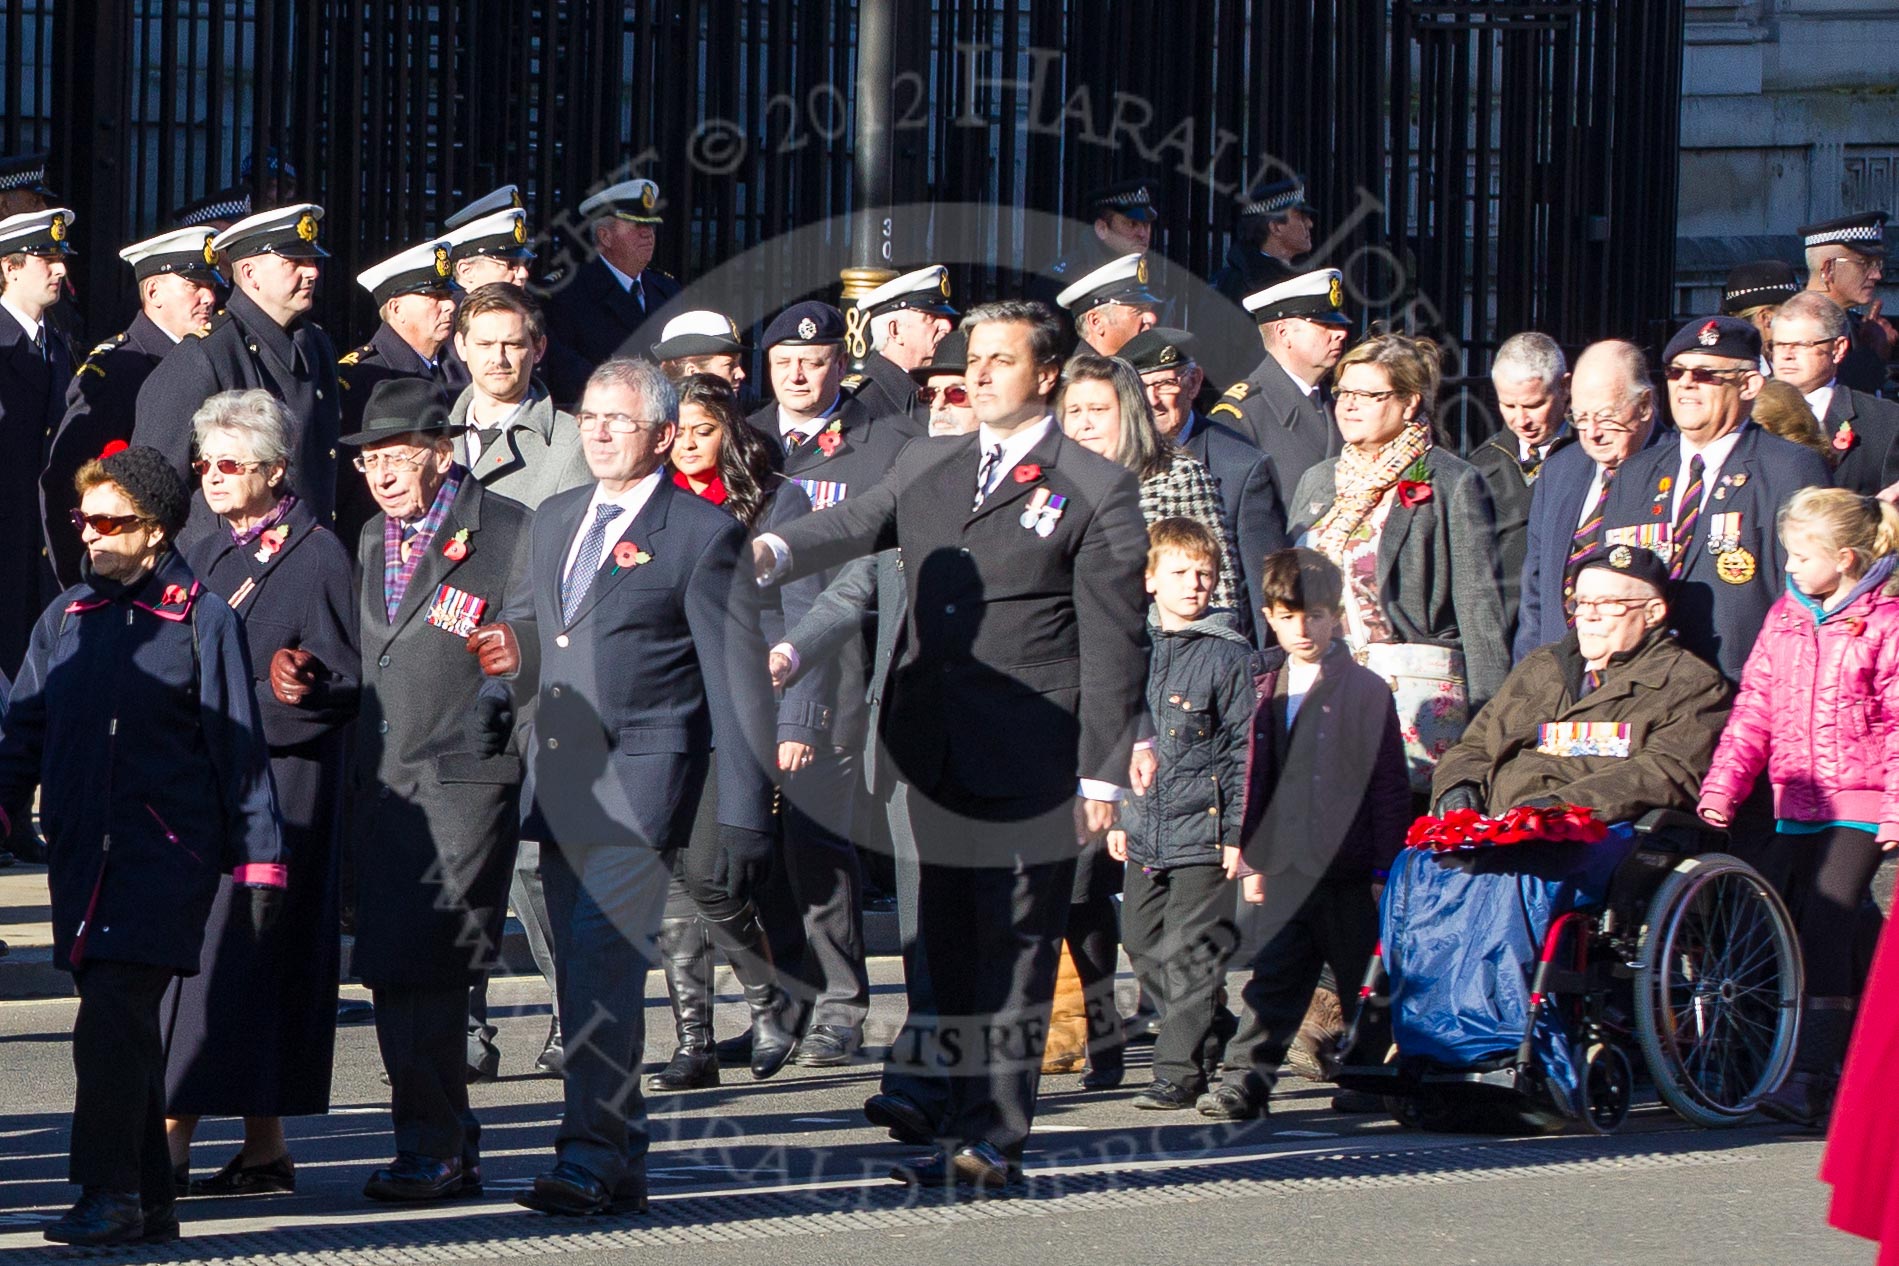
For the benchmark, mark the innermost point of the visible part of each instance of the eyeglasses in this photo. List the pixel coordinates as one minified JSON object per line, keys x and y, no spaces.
{"x":955,"y":397}
{"x":1806,"y":342}
{"x":1603,"y":420}
{"x":369,"y":463}
{"x":1163,"y":386}
{"x":618,"y":423}
{"x":226,"y":466}
{"x":1613,"y":607}
{"x":1346,"y":395}
{"x":1701,"y":375}
{"x":107,"y":524}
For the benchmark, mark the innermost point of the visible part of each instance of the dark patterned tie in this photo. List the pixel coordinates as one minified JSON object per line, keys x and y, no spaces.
{"x":39,"y":344}
{"x":573,"y":590}
{"x":792,"y":440}
{"x":1587,"y":539}
{"x":990,"y":460}
{"x":1591,"y":680}
{"x":1686,"y":516}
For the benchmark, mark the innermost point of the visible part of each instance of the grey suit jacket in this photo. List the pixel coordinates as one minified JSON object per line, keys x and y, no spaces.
{"x":1437,"y":566}
{"x":536,"y":454}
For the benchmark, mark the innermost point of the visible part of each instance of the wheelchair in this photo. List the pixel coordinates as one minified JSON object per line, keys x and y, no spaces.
{"x":1690,"y":962}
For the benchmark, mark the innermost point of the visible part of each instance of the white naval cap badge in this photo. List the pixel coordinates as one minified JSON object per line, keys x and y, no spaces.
{"x":807,"y":329}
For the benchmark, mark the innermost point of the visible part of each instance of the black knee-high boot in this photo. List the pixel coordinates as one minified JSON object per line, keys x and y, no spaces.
{"x":741,"y":938}
{"x":686,"y":957}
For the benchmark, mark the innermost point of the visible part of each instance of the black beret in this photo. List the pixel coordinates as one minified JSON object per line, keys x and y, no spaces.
{"x":1629,"y":560}
{"x":1158,"y":348}
{"x":810,"y":322}
{"x":152,"y":485}
{"x":1726,"y":336}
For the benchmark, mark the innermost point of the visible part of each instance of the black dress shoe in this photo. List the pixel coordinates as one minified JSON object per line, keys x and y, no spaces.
{"x":1358,"y":1103}
{"x":687,"y":1070}
{"x":161,"y":1224}
{"x":484,"y":1061}
{"x":100,"y":1217}
{"x":1163,"y":1095}
{"x":471,"y":1176}
{"x":355,"y":1011}
{"x":278,"y":1177}
{"x":415,"y":1177}
{"x":827,"y":1046}
{"x":925,"y":1171}
{"x":1229,"y":1103}
{"x":984,"y":1165}
{"x":568,"y":1190}
{"x":1104,"y":1075}
{"x":552,"y":1061}
{"x":906,"y":1122}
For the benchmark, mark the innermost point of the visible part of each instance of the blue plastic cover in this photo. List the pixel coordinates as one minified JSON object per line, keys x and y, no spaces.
{"x":1462,"y":935}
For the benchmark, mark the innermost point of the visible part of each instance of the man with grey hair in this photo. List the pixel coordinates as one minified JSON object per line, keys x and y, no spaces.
{"x":1846,"y":258}
{"x":639,"y":662}
{"x":1612,"y":410}
{"x":1531,"y":379}
{"x":906,"y":318}
{"x":1812,"y":342}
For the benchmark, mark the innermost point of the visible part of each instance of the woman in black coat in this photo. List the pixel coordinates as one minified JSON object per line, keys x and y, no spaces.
{"x":134,"y":717}
{"x":253,"y":1033}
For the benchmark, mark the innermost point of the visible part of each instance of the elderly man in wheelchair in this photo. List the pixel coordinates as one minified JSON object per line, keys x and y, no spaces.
{"x":1559,"y":909}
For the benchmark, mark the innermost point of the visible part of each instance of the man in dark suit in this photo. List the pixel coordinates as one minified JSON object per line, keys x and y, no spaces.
{"x":1612,"y":406}
{"x":1024,"y":555}
{"x":1705,"y":496}
{"x":639,"y":663}
{"x":834,"y":451}
{"x":1811,"y":343}
{"x":1279,"y":406}
{"x":1168,"y":363}
{"x":177,"y":288}
{"x":35,"y":366}
{"x":600,"y":306}
{"x":1531,"y":379}
{"x":432,"y":823}
{"x":263,"y":338}
{"x":900,"y":323}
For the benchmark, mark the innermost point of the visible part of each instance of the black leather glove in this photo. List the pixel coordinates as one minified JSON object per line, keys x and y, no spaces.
{"x":1462,"y":796}
{"x":265,"y":907}
{"x":491,"y":725}
{"x":745,"y":858}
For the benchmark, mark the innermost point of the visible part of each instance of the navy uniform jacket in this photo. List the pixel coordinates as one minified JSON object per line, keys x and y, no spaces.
{"x":1863,"y":369}
{"x":1716,"y":618}
{"x":1871,"y":459}
{"x":384,"y":357}
{"x":1249,"y":270}
{"x":663,"y":662}
{"x":433,"y":826}
{"x":883,"y":390}
{"x":100,"y":407}
{"x":1556,"y":506}
{"x":134,"y":718}
{"x":240,"y":349}
{"x":1511,"y":488}
{"x":589,"y":311}
{"x":1268,"y":409}
{"x":1023,"y":660}
{"x":32,"y":399}
{"x":1249,"y":494}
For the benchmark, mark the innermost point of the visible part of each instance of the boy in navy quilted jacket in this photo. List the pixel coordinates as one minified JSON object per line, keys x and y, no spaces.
{"x":1180,"y":838}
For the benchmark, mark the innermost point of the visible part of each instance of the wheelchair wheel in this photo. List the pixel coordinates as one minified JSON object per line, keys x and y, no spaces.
{"x":1717,"y":990}
{"x":1608,"y":1088}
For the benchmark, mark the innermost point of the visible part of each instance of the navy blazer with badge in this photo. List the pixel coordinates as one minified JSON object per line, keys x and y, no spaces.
{"x":1269,"y":410}
{"x":662,"y":662}
{"x":1023,"y":660}
{"x":32,"y":400}
{"x":1717,"y":608}
{"x":240,"y":349}
{"x":1556,"y":506}
{"x":1249,"y":493}
{"x":1871,"y":460}
{"x":101,"y":406}
{"x":433,"y":826}
{"x":589,"y":311}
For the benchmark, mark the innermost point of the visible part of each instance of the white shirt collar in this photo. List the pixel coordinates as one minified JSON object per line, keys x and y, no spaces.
{"x":1713,"y":457}
{"x":1311,"y":392}
{"x":631,"y":502}
{"x":787,"y":424}
{"x":626,"y":281}
{"x":1017,"y":446}
{"x":1820,"y":399}
{"x":27,"y":323}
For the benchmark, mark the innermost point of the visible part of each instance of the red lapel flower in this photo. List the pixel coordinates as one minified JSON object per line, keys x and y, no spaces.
{"x":174,"y":594}
{"x":830,"y":442}
{"x":457,"y":548}
{"x":627,"y":554}
{"x":1414,"y":486}
{"x":1026,"y":472}
{"x":1844,"y":438}
{"x":272,"y":541}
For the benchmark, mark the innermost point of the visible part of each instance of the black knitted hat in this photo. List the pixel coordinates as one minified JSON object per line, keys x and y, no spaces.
{"x":148,"y":480}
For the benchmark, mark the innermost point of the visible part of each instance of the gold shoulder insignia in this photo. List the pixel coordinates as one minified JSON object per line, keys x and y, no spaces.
{"x":1225,"y":406}
{"x":1238,"y":391}
{"x":106,"y":346}
{"x":350,"y":358}
{"x":852,"y":382}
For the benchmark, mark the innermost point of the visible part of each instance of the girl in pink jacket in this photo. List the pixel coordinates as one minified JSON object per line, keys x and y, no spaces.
{"x":1818,"y":711}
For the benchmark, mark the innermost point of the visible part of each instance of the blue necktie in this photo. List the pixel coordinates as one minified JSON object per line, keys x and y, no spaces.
{"x":573,"y":590}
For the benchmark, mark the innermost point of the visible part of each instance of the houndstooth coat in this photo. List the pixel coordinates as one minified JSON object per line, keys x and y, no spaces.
{"x":1186,"y":490}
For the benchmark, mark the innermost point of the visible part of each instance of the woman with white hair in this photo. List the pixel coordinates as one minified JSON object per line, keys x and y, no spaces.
{"x":252,"y":1034}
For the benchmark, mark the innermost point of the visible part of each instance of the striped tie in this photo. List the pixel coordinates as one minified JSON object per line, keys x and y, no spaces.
{"x":1591,"y":681}
{"x":1587,"y":539}
{"x":1686,"y":516}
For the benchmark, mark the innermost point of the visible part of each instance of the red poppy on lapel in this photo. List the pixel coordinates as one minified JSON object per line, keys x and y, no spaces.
{"x":174,"y":594}
{"x":1413,"y":492}
{"x":1026,"y":472}
{"x":830,"y":442}
{"x":457,"y":548}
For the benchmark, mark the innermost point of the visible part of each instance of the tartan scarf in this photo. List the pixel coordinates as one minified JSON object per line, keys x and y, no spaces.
{"x":1360,"y":482}
{"x":396,"y":573}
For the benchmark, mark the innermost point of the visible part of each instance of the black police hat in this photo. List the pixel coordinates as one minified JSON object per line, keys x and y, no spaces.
{"x":1132,"y":198}
{"x":1158,"y":348}
{"x":808,"y":324}
{"x":1629,"y":560}
{"x":950,"y":357}
{"x":1864,"y":233}
{"x":1758,"y":283}
{"x":217,"y":210}
{"x":25,"y":171}
{"x":1725,"y":336}
{"x":1276,"y":197}
{"x":404,"y":406}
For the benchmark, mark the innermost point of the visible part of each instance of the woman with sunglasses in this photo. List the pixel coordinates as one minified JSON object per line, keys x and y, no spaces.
{"x":253,"y":1032}
{"x":719,"y":456}
{"x":135,"y":720}
{"x":1412,"y":528}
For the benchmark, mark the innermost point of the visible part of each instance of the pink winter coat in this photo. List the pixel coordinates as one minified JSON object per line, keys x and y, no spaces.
{"x":1819,"y":711}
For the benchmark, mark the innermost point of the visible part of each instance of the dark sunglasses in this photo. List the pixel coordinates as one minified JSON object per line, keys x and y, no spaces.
{"x":225,"y":465}
{"x":106,"y":524}
{"x":1701,"y":375}
{"x":954,"y":397}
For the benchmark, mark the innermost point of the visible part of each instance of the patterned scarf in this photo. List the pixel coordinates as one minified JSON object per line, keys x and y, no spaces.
{"x":278,"y":514}
{"x":1360,"y":483}
{"x":395,"y":572}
